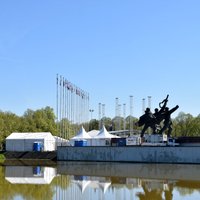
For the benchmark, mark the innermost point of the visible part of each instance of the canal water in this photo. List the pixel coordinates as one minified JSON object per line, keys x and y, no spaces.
{"x":99,"y":181}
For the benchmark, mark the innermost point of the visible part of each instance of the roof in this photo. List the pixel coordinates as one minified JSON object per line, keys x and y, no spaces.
{"x":82,"y":134}
{"x":36,"y":135}
{"x":103,"y":133}
{"x":93,"y":133}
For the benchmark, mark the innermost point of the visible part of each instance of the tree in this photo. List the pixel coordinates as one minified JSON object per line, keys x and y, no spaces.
{"x":93,"y":125}
{"x":42,"y":120}
{"x":186,"y":125}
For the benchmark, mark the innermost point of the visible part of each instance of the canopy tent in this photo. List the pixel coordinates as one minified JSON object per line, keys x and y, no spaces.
{"x":81,"y":135}
{"x":61,"y":142}
{"x":103,"y":138}
{"x":93,"y":133}
{"x":104,"y":134}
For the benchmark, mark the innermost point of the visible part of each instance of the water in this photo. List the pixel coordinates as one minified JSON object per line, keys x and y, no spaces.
{"x":96,"y":181}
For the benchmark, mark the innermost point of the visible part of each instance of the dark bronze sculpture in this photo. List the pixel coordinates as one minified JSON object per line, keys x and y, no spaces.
{"x":167,"y":120}
{"x":154,"y":120}
{"x":147,"y":120}
{"x":160,"y":114}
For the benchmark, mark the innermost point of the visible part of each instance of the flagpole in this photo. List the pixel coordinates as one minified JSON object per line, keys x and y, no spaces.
{"x":57,"y":104}
{"x":60,"y":106}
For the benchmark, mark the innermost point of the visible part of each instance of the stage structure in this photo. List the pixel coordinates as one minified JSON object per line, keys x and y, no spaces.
{"x":72,"y":107}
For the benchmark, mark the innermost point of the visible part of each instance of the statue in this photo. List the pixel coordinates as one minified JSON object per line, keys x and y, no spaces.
{"x":159,"y":114}
{"x":148,"y":120}
{"x":154,"y":120}
{"x":167,"y":120}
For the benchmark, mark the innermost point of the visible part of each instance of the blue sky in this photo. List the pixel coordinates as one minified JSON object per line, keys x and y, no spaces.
{"x":108,"y":48}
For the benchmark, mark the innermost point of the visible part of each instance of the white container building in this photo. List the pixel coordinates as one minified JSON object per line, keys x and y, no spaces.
{"x":26,"y":141}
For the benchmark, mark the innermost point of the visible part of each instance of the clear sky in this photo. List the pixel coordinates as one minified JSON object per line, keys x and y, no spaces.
{"x":109,"y":48}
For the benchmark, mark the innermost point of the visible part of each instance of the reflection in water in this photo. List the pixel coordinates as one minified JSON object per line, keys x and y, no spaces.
{"x":29,"y":174}
{"x":83,"y":182}
{"x":94,"y":181}
{"x":128,"y":181}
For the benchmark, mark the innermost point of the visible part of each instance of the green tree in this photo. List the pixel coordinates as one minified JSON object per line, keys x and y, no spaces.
{"x":186,"y":125}
{"x":42,"y":120}
{"x":93,"y":125}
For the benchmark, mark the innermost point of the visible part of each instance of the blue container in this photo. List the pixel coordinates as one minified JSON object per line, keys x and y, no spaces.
{"x":80,"y":143}
{"x":37,"y":146}
{"x":37,"y":171}
{"x":121,"y":142}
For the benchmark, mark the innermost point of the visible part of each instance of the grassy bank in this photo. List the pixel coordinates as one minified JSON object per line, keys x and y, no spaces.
{"x":2,"y":158}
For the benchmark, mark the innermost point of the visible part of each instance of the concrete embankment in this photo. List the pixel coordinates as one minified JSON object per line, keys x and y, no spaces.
{"x":139,"y":154}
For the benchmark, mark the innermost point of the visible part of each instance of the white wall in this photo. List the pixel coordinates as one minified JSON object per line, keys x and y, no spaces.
{"x":27,"y":144}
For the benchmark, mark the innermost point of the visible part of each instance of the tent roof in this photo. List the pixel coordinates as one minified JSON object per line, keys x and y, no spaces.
{"x":36,"y":135}
{"x":82,"y":134}
{"x":103,"y":133}
{"x":59,"y":139}
{"x":93,"y":133}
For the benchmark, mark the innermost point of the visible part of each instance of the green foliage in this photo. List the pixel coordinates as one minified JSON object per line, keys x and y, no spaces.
{"x":2,"y":158}
{"x":186,"y":125}
{"x":94,"y":125}
{"x":42,"y":120}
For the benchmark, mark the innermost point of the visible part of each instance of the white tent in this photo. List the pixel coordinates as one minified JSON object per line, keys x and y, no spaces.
{"x":61,"y":142}
{"x":81,"y":135}
{"x":103,"y":138}
{"x":26,"y":141}
{"x":93,"y":133}
{"x":103,"y":133}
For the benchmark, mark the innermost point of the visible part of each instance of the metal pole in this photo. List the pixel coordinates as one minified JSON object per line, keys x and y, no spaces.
{"x":103,"y":113}
{"x":124,"y":112}
{"x":131,"y":114}
{"x":116,"y":106}
{"x":149,"y":102}
{"x":143,"y":105}
{"x":99,"y":116}
{"x":91,"y":111}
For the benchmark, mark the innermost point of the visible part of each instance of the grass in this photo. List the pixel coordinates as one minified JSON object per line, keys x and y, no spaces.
{"x":2,"y":158}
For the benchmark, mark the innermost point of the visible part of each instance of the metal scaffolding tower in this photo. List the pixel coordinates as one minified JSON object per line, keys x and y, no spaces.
{"x":131,"y":114}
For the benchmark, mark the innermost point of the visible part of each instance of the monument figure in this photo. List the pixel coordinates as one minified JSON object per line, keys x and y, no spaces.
{"x":154,"y":120}
{"x":148,"y":120}
{"x":167,"y":120}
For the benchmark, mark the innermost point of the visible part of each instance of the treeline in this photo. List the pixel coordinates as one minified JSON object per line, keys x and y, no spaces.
{"x":44,"y":120}
{"x":186,"y":125}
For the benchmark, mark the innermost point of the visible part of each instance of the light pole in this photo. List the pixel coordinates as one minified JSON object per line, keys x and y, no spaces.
{"x":91,"y":111}
{"x":149,"y":102}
